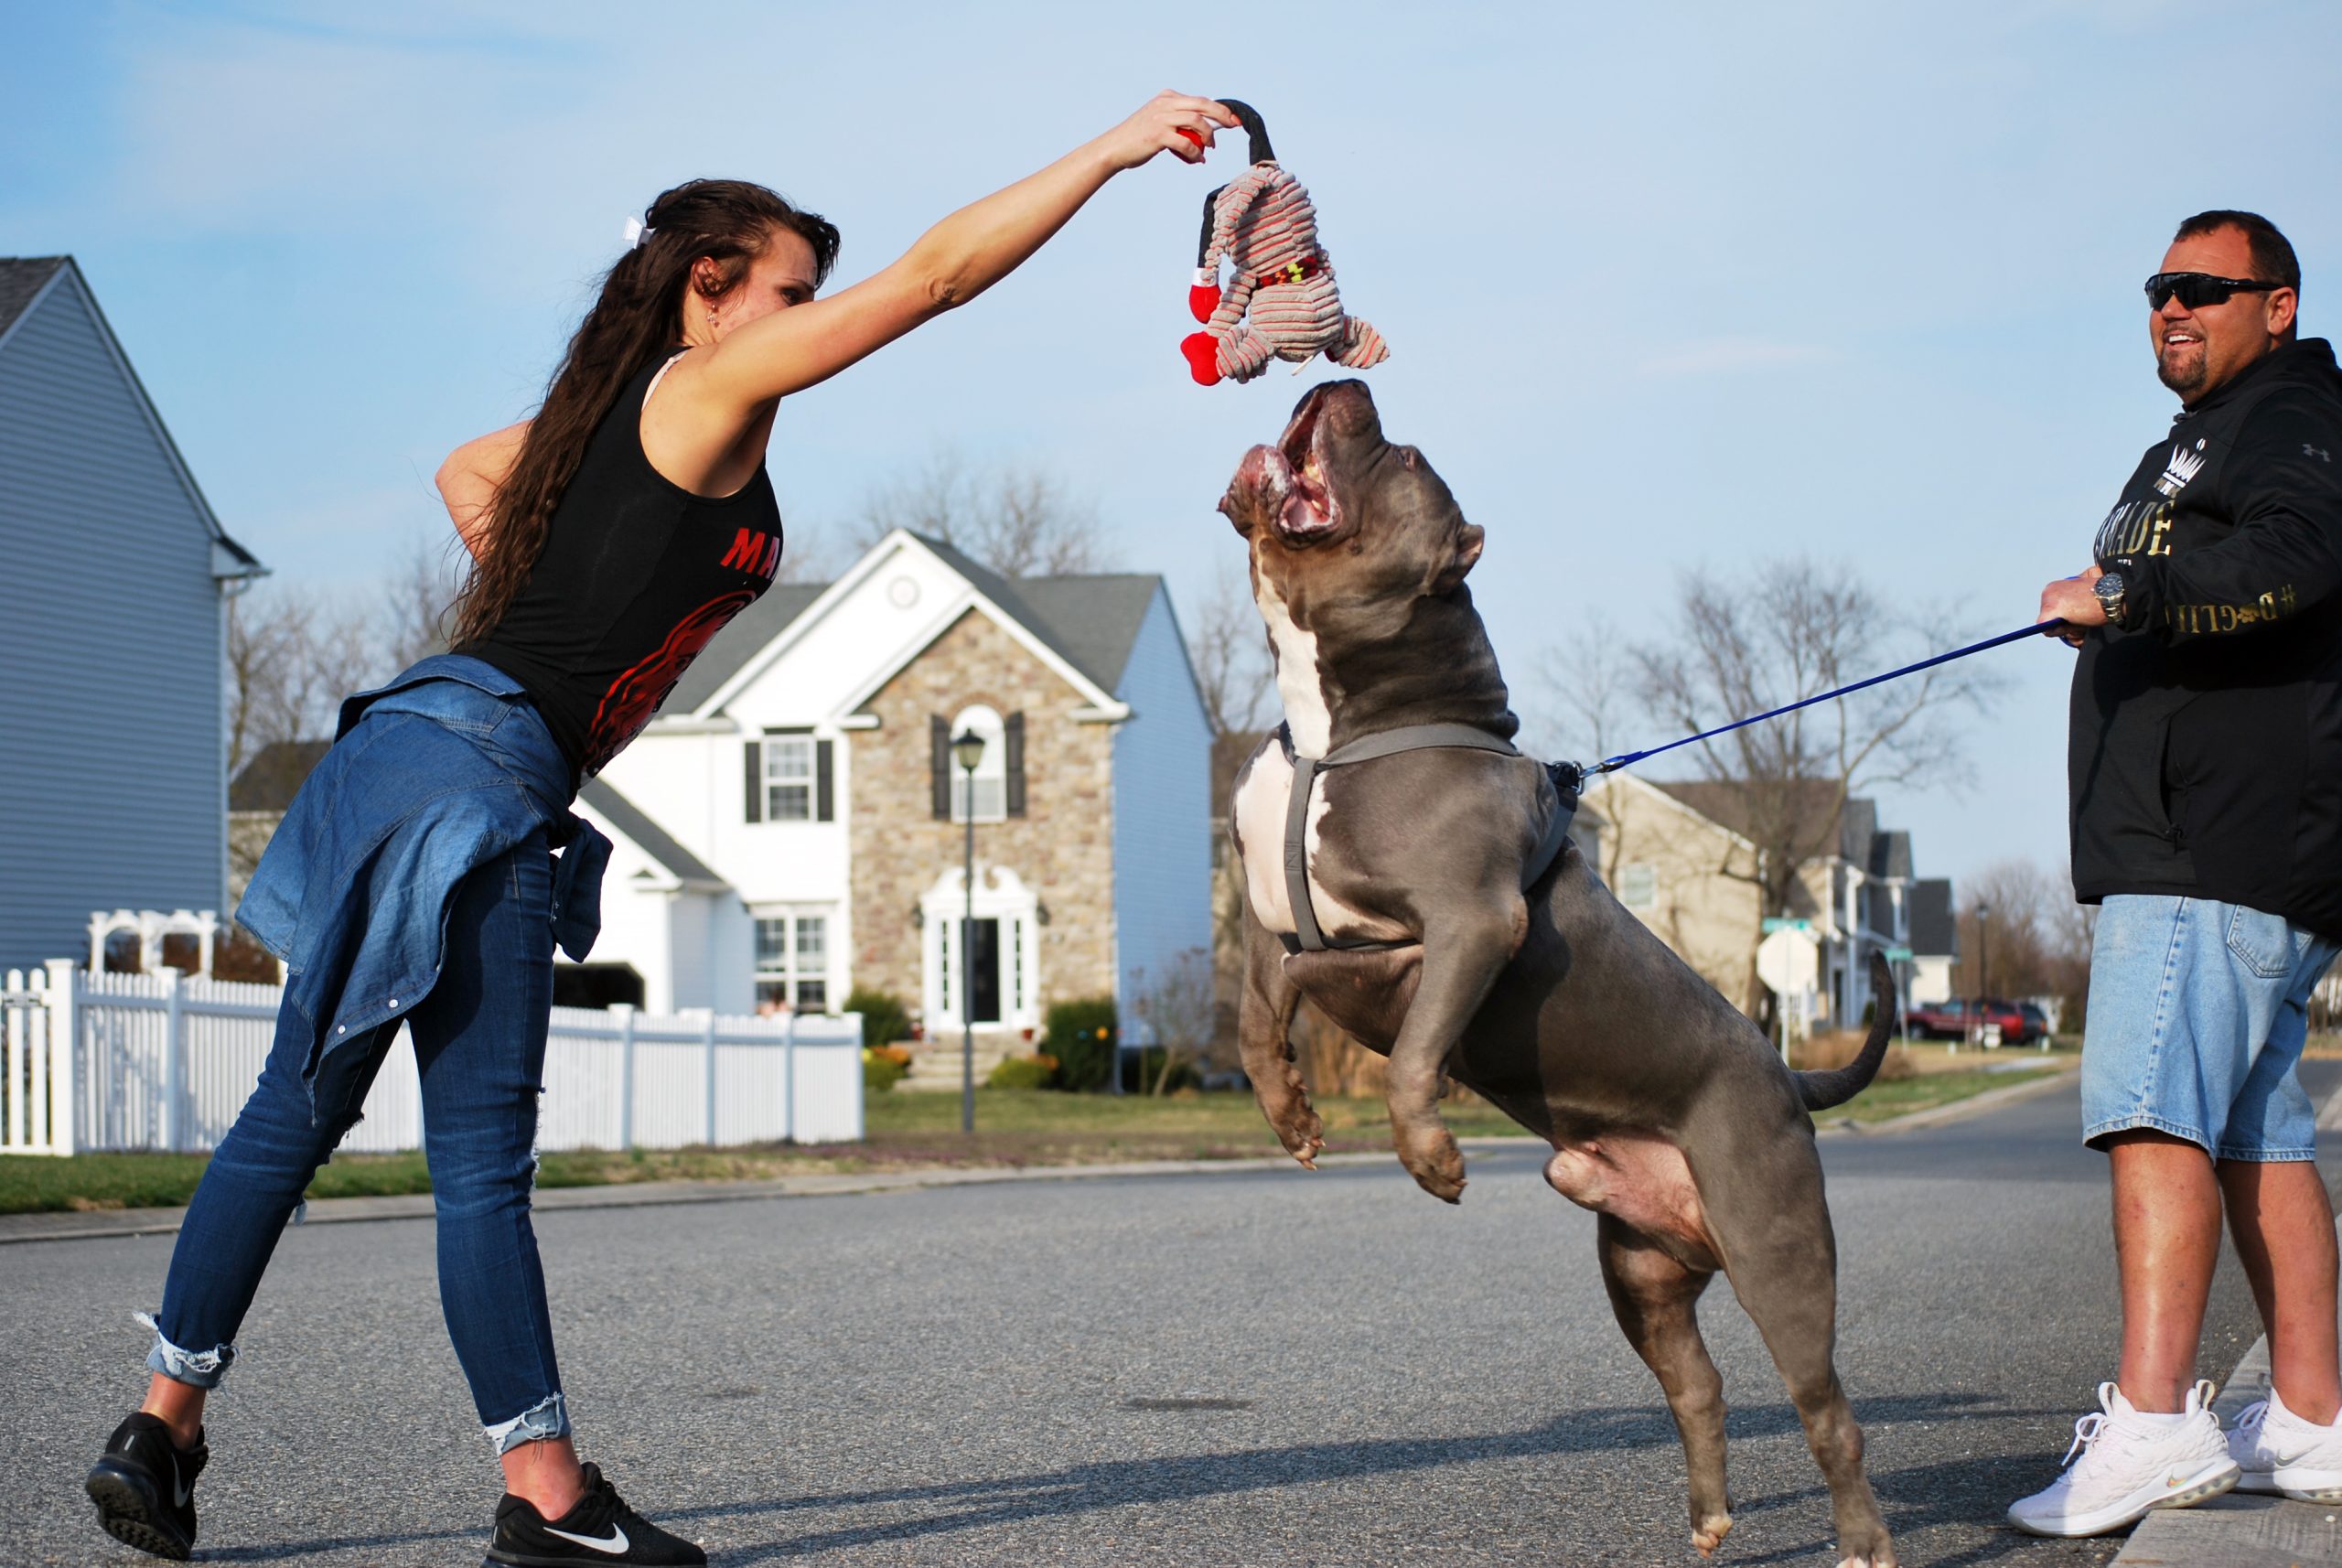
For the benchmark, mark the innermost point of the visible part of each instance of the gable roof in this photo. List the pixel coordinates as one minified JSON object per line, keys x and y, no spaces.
{"x":274,"y":775}
{"x":1090,"y":622}
{"x":646,"y":835}
{"x":23,"y":281}
{"x":1934,"y":932}
{"x":751,"y":632}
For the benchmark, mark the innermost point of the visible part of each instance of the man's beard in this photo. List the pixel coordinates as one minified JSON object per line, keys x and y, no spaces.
{"x":2190,"y":379}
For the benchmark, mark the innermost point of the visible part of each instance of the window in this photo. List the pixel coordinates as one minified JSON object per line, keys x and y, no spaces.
{"x":792,"y":963}
{"x":789,"y":778}
{"x":990,"y":781}
{"x":1638,"y":885}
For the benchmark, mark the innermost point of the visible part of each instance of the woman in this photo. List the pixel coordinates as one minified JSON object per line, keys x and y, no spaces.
{"x":611,"y":537}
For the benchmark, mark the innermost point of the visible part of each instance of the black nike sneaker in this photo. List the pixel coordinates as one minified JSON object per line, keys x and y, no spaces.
{"x":599,"y":1529}
{"x":144,"y":1487}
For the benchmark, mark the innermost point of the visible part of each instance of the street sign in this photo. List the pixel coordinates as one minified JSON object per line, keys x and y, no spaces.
{"x":1775,"y":923}
{"x":1899,"y":955}
{"x":1790,"y":960}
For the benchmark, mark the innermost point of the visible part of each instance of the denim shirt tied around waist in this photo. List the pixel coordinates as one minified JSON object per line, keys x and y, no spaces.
{"x":428,"y":778}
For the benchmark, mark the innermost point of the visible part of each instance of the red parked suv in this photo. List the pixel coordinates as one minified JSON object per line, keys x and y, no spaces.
{"x":2021,"y":1024}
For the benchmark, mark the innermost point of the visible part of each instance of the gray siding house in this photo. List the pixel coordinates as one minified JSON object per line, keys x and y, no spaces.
{"x":113,"y":762}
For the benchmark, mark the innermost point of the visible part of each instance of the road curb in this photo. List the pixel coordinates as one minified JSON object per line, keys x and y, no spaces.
{"x":103,"y":1224}
{"x":94,"y":1225}
{"x":1952,"y":1110}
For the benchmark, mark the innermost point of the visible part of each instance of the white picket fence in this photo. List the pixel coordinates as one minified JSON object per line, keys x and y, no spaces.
{"x":137,"y":1061}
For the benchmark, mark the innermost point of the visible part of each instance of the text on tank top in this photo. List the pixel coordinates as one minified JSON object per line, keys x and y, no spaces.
{"x":637,"y":574}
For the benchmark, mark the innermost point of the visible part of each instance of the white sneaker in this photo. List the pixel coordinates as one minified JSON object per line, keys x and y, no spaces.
{"x":2280,"y":1451}
{"x":2128,"y":1466}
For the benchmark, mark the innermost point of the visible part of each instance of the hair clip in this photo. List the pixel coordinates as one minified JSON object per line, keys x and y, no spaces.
{"x":636,"y":234}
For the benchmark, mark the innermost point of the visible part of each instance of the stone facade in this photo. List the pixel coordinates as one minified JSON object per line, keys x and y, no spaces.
{"x":1062,"y":847}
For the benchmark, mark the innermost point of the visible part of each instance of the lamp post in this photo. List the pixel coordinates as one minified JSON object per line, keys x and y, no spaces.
{"x":1983,"y":962}
{"x":968,"y":751}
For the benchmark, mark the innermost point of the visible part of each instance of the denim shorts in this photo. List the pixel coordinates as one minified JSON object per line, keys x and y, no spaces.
{"x":2197,"y":1015}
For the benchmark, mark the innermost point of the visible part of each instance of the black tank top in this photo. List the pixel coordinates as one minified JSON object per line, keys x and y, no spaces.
{"x":637,"y":574}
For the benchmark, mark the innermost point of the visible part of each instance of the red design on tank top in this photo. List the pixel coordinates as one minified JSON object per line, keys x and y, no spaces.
{"x":635,"y":696}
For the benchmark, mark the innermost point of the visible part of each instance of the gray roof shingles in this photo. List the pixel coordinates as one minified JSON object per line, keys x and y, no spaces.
{"x":1091,"y":622}
{"x":21,"y":277}
{"x":628,"y":818}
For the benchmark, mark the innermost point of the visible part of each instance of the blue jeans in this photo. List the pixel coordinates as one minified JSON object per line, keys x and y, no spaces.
{"x":2198,"y":1011}
{"x":479,"y":1042}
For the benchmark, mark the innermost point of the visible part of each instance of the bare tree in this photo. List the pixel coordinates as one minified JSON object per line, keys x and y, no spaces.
{"x":1230,"y":650}
{"x":1017,"y":519}
{"x":413,"y":618}
{"x":291,"y":659}
{"x":1592,"y":679}
{"x":1177,"y":1006}
{"x":1789,"y":631}
{"x":2021,"y":934}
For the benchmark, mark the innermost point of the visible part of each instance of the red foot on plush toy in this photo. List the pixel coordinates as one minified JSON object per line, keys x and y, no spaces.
{"x":1203,"y":350}
{"x":1203,"y":293}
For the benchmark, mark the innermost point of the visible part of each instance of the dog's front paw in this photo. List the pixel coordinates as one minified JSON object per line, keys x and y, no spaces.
{"x":1878,"y":1552}
{"x":1432,"y":1157}
{"x":1302,"y":1134}
{"x":1707,"y":1534}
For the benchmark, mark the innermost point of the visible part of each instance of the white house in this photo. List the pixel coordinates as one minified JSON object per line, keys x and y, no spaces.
{"x":792,"y":824}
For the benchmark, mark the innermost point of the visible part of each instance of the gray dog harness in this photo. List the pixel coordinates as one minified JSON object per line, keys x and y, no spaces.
{"x":1562,"y":776}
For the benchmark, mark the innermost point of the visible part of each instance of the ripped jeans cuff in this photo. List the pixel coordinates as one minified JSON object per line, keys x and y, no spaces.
{"x":548,"y":1418}
{"x":196,"y":1369}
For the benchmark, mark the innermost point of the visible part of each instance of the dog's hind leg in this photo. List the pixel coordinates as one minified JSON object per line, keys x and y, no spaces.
{"x":1657,"y":1297}
{"x":1265,"y":1040}
{"x":1770,"y":1222}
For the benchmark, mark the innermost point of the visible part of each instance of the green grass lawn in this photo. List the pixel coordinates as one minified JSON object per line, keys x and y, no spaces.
{"x":906,"y":1132}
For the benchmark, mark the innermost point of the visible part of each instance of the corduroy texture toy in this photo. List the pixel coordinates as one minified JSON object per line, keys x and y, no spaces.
{"x":1280,"y":302}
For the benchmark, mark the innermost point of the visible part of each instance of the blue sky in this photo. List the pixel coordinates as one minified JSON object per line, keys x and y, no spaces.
{"x":1666,"y":285}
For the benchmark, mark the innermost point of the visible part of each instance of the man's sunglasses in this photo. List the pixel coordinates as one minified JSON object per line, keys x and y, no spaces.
{"x":2197,"y":290}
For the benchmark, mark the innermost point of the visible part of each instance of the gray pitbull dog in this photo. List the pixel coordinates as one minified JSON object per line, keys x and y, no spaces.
{"x":1670,"y":1115}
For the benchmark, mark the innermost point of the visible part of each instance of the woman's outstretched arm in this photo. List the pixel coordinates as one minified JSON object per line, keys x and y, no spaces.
{"x":472,"y":475}
{"x":952,"y":262}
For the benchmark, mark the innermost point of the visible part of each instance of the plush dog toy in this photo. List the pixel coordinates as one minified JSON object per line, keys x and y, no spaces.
{"x":1281,"y":303}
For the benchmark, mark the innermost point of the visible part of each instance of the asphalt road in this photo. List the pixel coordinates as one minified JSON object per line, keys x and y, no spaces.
{"x":1273,"y":1369}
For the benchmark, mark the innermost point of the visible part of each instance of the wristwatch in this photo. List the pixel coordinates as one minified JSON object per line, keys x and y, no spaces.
{"x":2109,"y":589}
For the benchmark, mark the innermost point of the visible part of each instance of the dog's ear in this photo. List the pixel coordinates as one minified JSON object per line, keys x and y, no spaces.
{"x":1468,"y":540}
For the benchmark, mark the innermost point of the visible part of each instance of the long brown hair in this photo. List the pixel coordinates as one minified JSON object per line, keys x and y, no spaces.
{"x":638,"y":319}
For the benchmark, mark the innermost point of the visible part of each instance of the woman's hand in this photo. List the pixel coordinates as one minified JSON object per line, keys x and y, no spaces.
{"x":1158,"y":126}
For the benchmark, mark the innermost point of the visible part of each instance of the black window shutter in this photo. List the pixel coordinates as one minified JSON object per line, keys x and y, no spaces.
{"x":1014,"y":736}
{"x":823,"y":802}
{"x":939,"y":730}
{"x":756,"y":796}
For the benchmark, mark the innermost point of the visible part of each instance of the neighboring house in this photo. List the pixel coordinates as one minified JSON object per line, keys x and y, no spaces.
{"x":113,"y":628}
{"x":805,"y":758}
{"x":1934,"y":942}
{"x":258,"y":797}
{"x":1681,"y":856}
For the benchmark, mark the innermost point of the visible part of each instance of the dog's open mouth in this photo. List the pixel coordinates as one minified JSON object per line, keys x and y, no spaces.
{"x":1310,"y":509}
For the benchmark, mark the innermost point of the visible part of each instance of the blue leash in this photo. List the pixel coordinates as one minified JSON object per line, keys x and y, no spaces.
{"x":1613,"y":764}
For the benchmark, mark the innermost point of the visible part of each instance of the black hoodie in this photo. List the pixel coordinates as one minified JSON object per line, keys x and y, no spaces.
{"x":2206,"y":752}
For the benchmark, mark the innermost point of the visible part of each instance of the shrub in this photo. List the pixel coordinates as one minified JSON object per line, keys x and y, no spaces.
{"x":1038,"y":1072}
{"x":1081,"y":1036}
{"x":884,"y":1019}
{"x":883,"y":1067}
{"x":1142,"y":1069}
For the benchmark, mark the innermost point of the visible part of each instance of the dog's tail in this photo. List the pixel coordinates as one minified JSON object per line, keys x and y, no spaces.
{"x":1821,"y":1090}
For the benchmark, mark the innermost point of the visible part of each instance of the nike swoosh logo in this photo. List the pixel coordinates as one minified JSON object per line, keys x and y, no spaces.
{"x":182,"y":1490}
{"x":614,"y":1544}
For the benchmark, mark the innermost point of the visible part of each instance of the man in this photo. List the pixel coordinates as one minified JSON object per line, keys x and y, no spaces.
{"x":2206,"y":778}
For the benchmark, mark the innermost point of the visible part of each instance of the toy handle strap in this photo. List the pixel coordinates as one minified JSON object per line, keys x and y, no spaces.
{"x":1257,"y":134}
